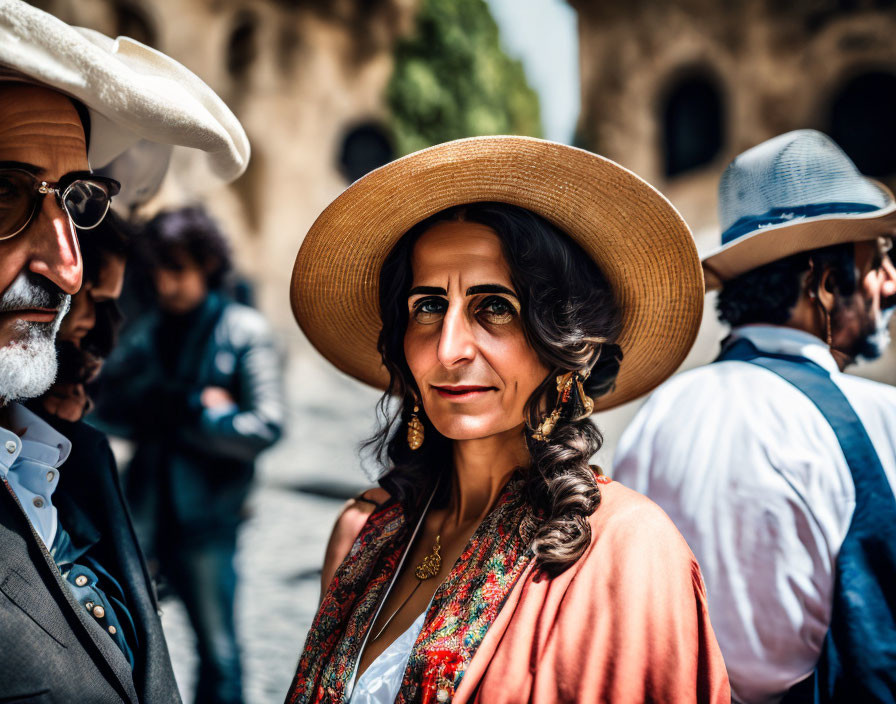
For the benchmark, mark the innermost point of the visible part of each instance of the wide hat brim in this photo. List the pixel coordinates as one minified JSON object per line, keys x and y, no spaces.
{"x":132,"y":91}
{"x":776,"y":242}
{"x":636,"y":237}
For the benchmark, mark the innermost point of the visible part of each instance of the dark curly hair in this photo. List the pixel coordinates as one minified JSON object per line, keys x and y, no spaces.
{"x":571,"y":320}
{"x":189,"y":230}
{"x":768,"y":293}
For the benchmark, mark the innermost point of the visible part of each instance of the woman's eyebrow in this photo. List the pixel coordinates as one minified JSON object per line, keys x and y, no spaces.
{"x":490,"y":288}
{"x":431,"y":290}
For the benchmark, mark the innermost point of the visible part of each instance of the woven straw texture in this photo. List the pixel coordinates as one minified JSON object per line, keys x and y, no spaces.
{"x":634,"y":234}
{"x":799,"y":168}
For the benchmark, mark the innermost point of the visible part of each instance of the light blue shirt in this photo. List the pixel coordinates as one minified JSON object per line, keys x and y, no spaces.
{"x":29,"y":462}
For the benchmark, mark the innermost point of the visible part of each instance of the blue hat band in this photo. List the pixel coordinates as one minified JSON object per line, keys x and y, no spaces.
{"x":779,"y":216}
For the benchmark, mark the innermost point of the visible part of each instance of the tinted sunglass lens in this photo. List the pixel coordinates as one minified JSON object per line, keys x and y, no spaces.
{"x":86,"y":202}
{"x":16,"y":202}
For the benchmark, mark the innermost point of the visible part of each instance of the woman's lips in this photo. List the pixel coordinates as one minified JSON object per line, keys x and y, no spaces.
{"x":462,"y":393}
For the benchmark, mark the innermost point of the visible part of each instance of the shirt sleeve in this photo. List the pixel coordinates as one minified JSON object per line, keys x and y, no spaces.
{"x":770,"y":574}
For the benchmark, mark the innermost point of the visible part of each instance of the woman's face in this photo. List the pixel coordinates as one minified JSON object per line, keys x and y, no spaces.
{"x":464,"y":343}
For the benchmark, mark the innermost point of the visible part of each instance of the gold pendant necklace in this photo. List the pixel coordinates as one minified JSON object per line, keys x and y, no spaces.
{"x":431,"y":564}
{"x":427,"y":569}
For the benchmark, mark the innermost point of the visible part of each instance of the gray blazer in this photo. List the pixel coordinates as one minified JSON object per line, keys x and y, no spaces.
{"x":51,"y":648}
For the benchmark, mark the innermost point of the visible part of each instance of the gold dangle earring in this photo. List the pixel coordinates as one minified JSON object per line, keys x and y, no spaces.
{"x":546,"y":427}
{"x":570,"y":387}
{"x":827,"y":320}
{"x":824,"y":311}
{"x":415,"y":430}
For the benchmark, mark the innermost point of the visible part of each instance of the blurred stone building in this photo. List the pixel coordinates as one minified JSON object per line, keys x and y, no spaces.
{"x":305,"y":77}
{"x":674,"y":90}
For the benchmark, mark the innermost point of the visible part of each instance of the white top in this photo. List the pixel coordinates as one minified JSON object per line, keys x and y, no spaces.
{"x":381,"y":680}
{"x":754,"y":478}
{"x":30,"y":465}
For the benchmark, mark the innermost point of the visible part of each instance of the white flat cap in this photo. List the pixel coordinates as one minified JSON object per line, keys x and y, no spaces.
{"x":136,"y":96}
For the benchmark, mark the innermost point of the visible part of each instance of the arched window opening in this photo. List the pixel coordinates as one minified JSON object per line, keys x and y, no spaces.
{"x":242,"y":47}
{"x":130,"y":21}
{"x":692,"y":121}
{"x":861,"y":122}
{"x":365,"y":147}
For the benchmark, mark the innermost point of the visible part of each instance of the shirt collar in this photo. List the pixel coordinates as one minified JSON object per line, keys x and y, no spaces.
{"x":39,"y":440}
{"x":778,"y":339}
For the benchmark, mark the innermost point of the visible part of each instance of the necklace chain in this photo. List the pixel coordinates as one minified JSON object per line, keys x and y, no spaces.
{"x":428,"y":568}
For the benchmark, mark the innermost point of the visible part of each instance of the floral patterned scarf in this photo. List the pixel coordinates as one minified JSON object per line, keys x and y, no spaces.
{"x":462,"y":609}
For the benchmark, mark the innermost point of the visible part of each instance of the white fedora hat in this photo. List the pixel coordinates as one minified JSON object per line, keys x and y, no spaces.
{"x":796,"y":192}
{"x":136,"y":96}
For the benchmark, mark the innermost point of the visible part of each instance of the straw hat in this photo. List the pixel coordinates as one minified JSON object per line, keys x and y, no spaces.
{"x":634,"y":234}
{"x":139,"y":100}
{"x":796,"y":192}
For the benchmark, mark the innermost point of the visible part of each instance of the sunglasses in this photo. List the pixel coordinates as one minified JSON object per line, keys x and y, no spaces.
{"x":84,"y":197}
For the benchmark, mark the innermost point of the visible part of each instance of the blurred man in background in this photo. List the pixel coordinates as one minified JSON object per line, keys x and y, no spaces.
{"x":197,"y":385}
{"x":778,"y":468}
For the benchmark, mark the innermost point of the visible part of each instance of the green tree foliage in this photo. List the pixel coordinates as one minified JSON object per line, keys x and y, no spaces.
{"x":453,"y":80}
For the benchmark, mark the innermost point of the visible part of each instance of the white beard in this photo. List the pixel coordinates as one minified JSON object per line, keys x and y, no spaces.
{"x":28,"y":363}
{"x":878,"y":342}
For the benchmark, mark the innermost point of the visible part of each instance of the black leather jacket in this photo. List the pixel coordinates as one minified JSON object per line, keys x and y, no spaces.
{"x":192,"y":466}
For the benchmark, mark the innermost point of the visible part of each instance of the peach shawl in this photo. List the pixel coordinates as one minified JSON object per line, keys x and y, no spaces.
{"x":628,"y":623}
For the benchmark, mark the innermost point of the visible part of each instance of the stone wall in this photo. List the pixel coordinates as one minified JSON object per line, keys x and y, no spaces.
{"x":674,"y":90}
{"x":773,"y":67}
{"x":299,"y":75}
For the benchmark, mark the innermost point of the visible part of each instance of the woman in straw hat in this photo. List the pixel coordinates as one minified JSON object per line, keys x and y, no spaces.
{"x":501,"y":289}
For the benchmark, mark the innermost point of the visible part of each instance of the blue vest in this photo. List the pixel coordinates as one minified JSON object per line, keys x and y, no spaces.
{"x":858,"y":658}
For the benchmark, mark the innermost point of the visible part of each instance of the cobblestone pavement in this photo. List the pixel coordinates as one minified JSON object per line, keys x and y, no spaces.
{"x":301,"y":486}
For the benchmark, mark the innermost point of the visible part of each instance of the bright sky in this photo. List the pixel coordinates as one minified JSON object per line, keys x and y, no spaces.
{"x":543,"y":35}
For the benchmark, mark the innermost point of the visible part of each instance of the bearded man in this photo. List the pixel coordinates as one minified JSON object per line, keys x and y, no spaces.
{"x":78,"y":617}
{"x":777,"y":467}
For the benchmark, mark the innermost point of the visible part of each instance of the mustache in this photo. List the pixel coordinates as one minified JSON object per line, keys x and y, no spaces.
{"x":30,"y":290}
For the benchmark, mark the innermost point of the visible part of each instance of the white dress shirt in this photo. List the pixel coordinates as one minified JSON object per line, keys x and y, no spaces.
{"x":29,"y":461}
{"x":754,"y":478}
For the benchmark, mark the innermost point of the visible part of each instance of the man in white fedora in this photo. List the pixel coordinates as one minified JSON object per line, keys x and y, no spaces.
{"x":776,"y":466}
{"x":78,"y":616}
